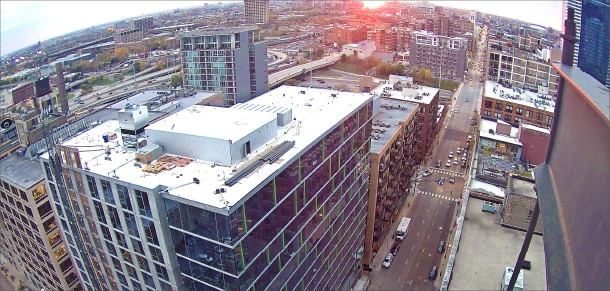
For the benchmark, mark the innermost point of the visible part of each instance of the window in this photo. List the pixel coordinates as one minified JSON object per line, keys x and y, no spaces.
{"x":538,"y":116}
{"x":156,"y":254}
{"x":498,"y":115}
{"x":507,"y":117}
{"x":509,"y":108}
{"x":161,"y":272}
{"x":151,"y":233}
{"x":99,"y":211}
{"x":499,"y":106}
{"x":488,"y":104}
{"x":517,"y":119}
{"x":114,"y":217}
{"x":124,"y":197}
{"x":92,"y":187}
{"x":107,"y":190}
{"x":44,"y":209}
{"x":519,"y":111}
{"x":528,"y":114}
{"x":143,"y":205}
{"x":549,"y":119}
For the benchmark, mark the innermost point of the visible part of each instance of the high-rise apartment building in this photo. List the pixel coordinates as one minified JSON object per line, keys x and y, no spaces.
{"x":436,"y":53}
{"x":270,"y":194}
{"x":256,"y":11}
{"x":225,"y":60}
{"x":594,"y":43}
{"x":393,"y":152}
{"x":31,"y":239}
{"x":576,"y":5}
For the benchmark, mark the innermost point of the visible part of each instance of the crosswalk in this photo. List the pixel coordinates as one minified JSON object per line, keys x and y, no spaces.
{"x":436,"y":195}
{"x":446,"y":172}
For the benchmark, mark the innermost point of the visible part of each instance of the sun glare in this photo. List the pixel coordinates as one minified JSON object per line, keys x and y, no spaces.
{"x":372,"y":4}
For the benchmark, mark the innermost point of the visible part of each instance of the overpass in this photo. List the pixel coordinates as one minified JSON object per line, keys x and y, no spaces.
{"x":280,"y":57}
{"x":284,"y":75}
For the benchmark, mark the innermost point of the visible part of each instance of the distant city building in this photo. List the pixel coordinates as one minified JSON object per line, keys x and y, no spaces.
{"x":361,"y":50}
{"x":256,"y":11}
{"x":30,"y":236}
{"x":526,"y":64}
{"x":516,"y":105}
{"x":436,"y":52}
{"x":128,"y":36}
{"x":338,"y":34}
{"x":260,"y":195}
{"x":594,"y":43}
{"x":226,"y":60}
{"x":143,"y":23}
{"x":499,"y":141}
{"x":577,"y":6}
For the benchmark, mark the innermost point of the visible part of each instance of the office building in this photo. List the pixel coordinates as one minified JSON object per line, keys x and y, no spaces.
{"x":393,"y":152}
{"x":436,"y":53}
{"x":30,"y":239}
{"x":338,"y":34}
{"x":385,"y":39}
{"x":576,"y":5}
{"x":516,"y":105}
{"x":256,"y":11}
{"x":128,"y":36}
{"x":271,"y":193}
{"x":594,"y":50}
{"x":225,"y":60}
{"x":426,"y":118}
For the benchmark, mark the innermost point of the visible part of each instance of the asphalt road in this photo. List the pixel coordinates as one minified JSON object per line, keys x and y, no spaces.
{"x":433,"y":208}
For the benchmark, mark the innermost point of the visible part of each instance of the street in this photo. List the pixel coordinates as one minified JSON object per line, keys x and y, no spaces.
{"x":433,"y":208}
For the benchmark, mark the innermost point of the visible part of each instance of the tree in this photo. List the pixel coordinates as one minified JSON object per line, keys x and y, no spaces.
{"x":303,"y":60}
{"x":342,"y":87}
{"x":290,"y":82}
{"x":427,"y":73}
{"x":121,"y":53}
{"x":343,"y":58}
{"x":103,"y":58}
{"x":159,"y":66}
{"x":398,"y":69}
{"x":176,"y":80}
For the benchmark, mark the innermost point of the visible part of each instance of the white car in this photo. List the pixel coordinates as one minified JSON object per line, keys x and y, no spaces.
{"x":455,"y":161}
{"x":450,"y":154}
{"x":448,"y":163}
{"x":458,"y":151}
{"x":388,"y":260}
{"x":426,"y":173}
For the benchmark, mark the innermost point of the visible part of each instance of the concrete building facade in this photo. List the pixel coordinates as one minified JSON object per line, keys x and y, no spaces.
{"x":436,"y":53}
{"x":256,"y":11}
{"x":31,"y":238}
{"x":225,"y":60}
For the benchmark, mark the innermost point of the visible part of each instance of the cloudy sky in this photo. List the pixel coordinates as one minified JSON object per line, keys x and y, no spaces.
{"x":23,"y":23}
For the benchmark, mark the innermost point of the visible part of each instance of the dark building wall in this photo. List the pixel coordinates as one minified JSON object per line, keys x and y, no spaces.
{"x":580,"y":171}
{"x":24,"y":92}
{"x":594,"y":52}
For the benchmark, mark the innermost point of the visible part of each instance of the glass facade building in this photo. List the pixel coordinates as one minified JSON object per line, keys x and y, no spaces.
{"x":225,"y":60}
{"x":300,"y":231}
{"x":594,"y":44}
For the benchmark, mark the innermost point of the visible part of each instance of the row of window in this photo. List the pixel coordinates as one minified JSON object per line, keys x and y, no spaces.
{"x":518,"y":111}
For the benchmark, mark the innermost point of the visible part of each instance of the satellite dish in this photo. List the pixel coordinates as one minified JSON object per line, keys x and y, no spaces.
{"x":6,"y":123}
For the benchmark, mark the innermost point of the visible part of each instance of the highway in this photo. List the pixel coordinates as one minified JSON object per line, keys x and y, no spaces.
{"x":281,"y":76}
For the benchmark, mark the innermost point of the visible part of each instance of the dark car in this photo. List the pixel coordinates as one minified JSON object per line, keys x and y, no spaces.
{"x":438,"y":163}
{"x":463,"y":163}
{"x":433,"y":273}
{"x":441,"y":181}
{"x":441,"y":246}
{"x":452,"y":179}
{"x":395,"y":248}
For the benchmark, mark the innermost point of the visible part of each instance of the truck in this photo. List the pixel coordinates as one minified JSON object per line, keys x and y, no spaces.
{"x":402,"y":229}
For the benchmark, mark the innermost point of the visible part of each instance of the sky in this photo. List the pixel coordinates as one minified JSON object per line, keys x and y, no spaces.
{"x":23,"y":23}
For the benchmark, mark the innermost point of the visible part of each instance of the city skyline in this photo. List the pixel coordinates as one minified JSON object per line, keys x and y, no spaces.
{"x":25,"y":23}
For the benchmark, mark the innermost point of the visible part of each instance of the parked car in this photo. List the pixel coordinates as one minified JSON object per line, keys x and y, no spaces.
{"x":441,"y":181}
{"x":448,"y":163}
{"x":433,"y":273}
{"x":463,"y":163}
{"x":438,"y":163}
{"x":451,"y":179}
{"x":388,"y":260}
{"x":441,"y":246}
{"x":426,"y":173}
{"x":450,"y":154}
{"x":455,"y":161}
{"x":458,"y":151}
{"x":395,"y":248}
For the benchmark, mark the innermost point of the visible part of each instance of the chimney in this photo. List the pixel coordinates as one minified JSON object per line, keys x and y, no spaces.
{"x":569,"y":39}
{"x":63,"y":100}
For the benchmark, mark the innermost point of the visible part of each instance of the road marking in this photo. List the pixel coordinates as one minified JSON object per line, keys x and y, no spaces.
{"x":417,"y":265}
{"x":398,"y":279}
{"x":428,"y":236}
{"x":406,"y":262}
{"x":426,"y":210}
{"x":412,"y":247}
{"x":418,"y":234}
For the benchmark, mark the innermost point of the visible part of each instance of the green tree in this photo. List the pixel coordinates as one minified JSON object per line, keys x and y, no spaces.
{"x":176,"y":80}
{"x":427,"y":74}
{"x":103,"y":58}
{"x":159,"y":66}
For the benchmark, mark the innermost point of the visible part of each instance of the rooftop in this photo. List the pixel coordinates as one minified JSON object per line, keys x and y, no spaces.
{"x":519,"y":96}
{"x":315,"y":113}
{"x":415,"y":93}
{"x":386,"y":122}
{"x":486,"y":125}
{"x":21,"y":171}
{"x":536,"y":128}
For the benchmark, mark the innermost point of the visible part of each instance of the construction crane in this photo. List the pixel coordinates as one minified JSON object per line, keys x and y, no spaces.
{"x":56,"y":170}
